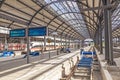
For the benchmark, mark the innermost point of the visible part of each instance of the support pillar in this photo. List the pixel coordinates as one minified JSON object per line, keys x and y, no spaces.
{"x":82,"y":43}
{"x":44,"y":43}
{"x":22,"y":42}
{"x":111,"y":62}
{"x":65,"y":43}
{"x":74,"y":44}
{"x":100,"y":38}
{"x":61,"y":41}
{"x":97,"y":40}
{"x":108,"y":34}
{"x":69,"y":42}
{"x":119,"y":40}
{"x":54,"y":42}
{"x":28,"y":46}
{"x":6,"y":43}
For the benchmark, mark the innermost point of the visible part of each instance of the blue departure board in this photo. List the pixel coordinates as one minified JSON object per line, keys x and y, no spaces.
{"x":37,"y":31}
{"x":17,"y":33}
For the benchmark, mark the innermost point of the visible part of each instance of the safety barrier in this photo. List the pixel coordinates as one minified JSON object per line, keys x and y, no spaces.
{"x":85,"y":62}
{"x":87,"y":53}
{"x":85,"y":65}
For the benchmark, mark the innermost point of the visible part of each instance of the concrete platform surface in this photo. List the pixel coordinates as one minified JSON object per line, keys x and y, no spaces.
{"x":109,"y":72}
{"x":33,"y":70}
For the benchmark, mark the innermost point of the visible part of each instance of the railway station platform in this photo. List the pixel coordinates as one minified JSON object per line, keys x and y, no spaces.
{"x":40,"y":70}
{"x":109,"y":72}
{"x":59,"y":39}
{"x":51,"y":69}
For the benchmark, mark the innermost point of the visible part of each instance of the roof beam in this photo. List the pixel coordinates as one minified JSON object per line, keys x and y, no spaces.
{"x":10,"y":24}
{"x":68,"y":13}
{"x":57,"y":2}
{"x":3,"y":16}
{"x":73,"y":24}
{"x":97,"y":8}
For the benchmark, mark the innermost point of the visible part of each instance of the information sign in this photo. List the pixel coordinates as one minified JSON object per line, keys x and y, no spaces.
{"x":17,"y":33}
{"x":37,"y":31}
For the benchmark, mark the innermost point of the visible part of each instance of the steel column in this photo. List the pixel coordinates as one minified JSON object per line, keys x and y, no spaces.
{"x":100,"y":38}
{"x":69,"y":41}
{"x":118,"y":40}
{"x":82,"y":43}
{"x":65,"y":43}
{"x":61,"y":40}
{"x":54,"y":42}
{"x":111,"y":62}
{"x":97,"y":38}
{"x":44,"y":43}
{"x":6,"y":43}
{"x":94,"y":41}
{"x":28,"y":46}
{"x":106,"y":35}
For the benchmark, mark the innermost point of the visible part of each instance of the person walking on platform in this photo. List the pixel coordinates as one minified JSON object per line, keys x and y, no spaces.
{"x":62,"y":49}
{"x":68,"y":50}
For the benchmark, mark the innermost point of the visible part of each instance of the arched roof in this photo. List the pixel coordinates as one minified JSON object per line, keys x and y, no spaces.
{"x":79,"y":18}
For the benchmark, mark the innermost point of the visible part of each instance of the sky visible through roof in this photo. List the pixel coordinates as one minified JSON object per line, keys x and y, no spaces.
{"x":116,"y":17}
{"x":75,"y":19}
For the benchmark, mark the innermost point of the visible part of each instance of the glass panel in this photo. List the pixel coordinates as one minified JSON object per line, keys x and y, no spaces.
{"x":62,"y":7}
{"x":116,"y":17}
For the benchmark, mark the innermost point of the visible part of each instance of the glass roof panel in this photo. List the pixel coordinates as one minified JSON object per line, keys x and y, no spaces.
{"x":70,"y":11}
{"x":116,"y":17}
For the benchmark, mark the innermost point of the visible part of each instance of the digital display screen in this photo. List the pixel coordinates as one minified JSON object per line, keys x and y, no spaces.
{"x":17,"y":33}
{"x":39,"y":31}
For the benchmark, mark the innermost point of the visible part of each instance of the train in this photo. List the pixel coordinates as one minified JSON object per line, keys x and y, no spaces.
{"x":34,"y":46}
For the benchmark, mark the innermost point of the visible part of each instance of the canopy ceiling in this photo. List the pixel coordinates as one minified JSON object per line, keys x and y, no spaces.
{"x":78,"y":19}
